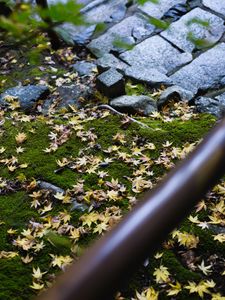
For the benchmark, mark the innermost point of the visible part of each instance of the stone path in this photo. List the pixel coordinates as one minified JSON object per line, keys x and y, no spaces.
{"x":189,"y":54}
{"x":188,"y":57}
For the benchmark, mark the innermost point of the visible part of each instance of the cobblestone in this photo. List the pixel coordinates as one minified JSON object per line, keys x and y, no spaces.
{"x":180,"y":32}
{"x":190,"y":54}
{"x":206,"y":71}
{"x":157,"y":53}
{"x":159,"y":9}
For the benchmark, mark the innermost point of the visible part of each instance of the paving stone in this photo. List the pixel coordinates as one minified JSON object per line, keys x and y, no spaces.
{"x":150,"y":76}
{"x":98,"y":11}
{"x":216,"y":5}
{"x":73,"y":35}
{"x":84,"y":68}
{"x":131,"y":30}
{"x":221,"y":98}
{"x":105,"y":11}
{"x":174,"y":92}
{"x":206,"y":71}
{"x":155,"y":52}
{"x":26,"y":95}
{"x":143,"y":105}
{"x":178,"y":32}
{"x":108,"y":61}
{"x":157,"y":10}
{"x":111,"y":83}
{"x":210,"y":106}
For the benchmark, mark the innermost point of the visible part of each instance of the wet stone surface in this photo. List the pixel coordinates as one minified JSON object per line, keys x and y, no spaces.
{"x":26,"y":95}
{"x":155,"y":52}
{"x":150,"y":76}
{"x":130,"y":31}
{"x":188,"y":57}
{"x":206,"y":71}
{"x":183,"y":32}
{"x":215,"y":5}
{"x":159,"y":9}
{"x":108,"y":61}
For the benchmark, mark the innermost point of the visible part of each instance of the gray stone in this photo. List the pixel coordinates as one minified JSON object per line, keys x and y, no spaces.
{"x":210,"y":106}
{"x":105,"y":11}
{"x":26,"y":95}
{"x":174,"y":92}
{"x":75,"y":94}
{"x":206,"y":71}
{"x":178,"y":32}
{"x":131,"y":30}
{"x":221,"y":98}
{"x":84,"y":68}
{"x":143,"y":105}
{"x":108,"y":61}
{"x":157,"y":10}
{"x":216,"y":5}
{"x":148,"y":75}
{"x":111,"y":83}
{"x":73,"y":35}
{"x":155,"y":52}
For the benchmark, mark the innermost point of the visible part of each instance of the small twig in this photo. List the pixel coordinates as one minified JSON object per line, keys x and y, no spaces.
{"x":106,"y":106}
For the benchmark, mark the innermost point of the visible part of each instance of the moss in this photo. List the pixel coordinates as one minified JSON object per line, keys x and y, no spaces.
{"x":43,"y":166}
{"x":15,"y":212}
{"x":14,"y":280}
{"x":177,"y":269}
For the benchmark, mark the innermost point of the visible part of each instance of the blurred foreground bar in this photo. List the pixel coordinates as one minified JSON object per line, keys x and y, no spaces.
{"x":113,"y":258}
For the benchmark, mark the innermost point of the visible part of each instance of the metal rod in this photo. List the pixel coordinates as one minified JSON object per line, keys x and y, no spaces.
{"x":113,"y":257}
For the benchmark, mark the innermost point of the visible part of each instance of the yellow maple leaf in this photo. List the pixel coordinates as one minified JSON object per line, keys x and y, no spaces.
{"x":8,"y":255}
{"x":37,"y":286}
{"x":21,"y":137}
{"x":27,"y":259}
{"x":147,"y":294}
{"x":217,"y":296}
{"x":200,"y":288}
{"x":174,"y":289}
{"x":37,"y":274}
{"x":161,"y":274}
{"x":2,"y":149}
{"x":186,"y":239}
{"x":220,"y":237}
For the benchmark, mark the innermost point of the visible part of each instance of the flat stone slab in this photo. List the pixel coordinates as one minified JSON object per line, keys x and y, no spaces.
{"x":105,"y":11}
{"x":156,"y":53}
{"x":206,"y":71}
{"x":130,"y":31}
{"x":98,"y":11}
{"x":216,"y":5}
{"x":108,"y":61}
{"x":178,"y":32}
{"x":157,"y":10}
{"x":27,"y":95}
{"x":143,"y":105}
{"x":150,"y":76}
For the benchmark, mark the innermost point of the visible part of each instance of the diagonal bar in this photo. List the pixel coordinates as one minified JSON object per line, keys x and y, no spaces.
{"x":98,"y":274}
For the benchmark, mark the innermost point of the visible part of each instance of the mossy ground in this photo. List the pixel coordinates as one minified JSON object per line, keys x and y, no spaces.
{"x":15,"y":203}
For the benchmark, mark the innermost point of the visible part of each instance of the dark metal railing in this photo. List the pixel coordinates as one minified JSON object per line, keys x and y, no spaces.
{"x":99,"y":273}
